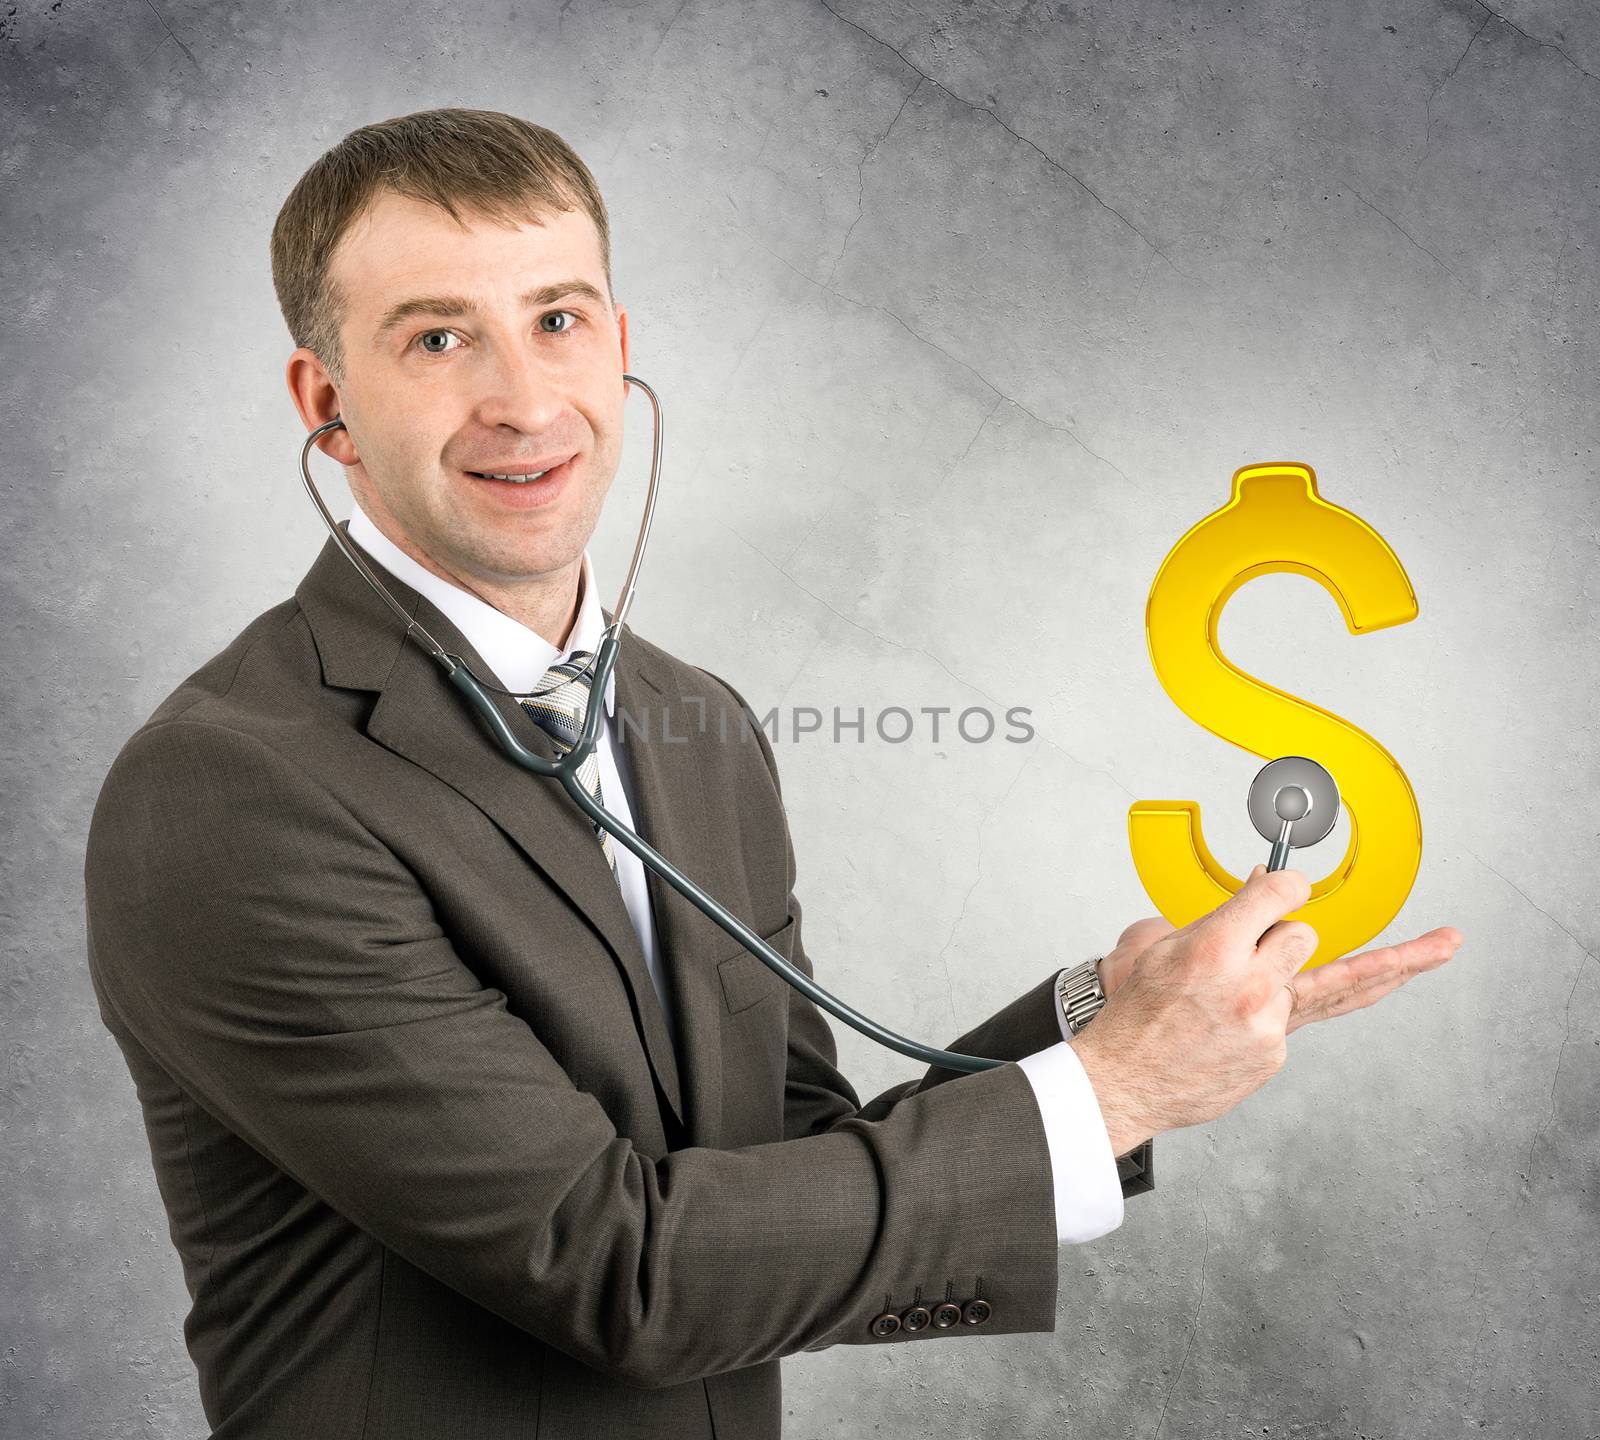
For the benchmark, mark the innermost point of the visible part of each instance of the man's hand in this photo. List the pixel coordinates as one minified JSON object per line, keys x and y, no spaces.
{"x":1337,"y":988}
{"x":1200,"y":1015}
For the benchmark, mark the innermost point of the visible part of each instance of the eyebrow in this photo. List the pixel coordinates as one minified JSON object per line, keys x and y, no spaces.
{"x":455,"y":305}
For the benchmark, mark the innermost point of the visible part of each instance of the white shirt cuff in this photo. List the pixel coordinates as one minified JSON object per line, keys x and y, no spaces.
{"x":1088,"y":1189}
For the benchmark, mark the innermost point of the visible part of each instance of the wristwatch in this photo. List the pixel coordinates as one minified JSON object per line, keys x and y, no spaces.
{"x":1080,"y":993}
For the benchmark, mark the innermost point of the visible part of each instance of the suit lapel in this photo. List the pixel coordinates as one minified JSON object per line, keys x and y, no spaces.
{"x":420,"y":716}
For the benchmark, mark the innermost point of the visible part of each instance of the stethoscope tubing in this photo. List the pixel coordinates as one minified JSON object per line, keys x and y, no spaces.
{"x":565,"y":768}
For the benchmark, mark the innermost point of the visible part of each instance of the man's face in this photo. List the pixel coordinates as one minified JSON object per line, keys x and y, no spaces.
{"x":476,"y":352}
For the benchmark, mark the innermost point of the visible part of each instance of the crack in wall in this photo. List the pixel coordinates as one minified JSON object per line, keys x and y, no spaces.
{"x":1525,"y":1196}
{"x":171,"y":35}
{"x":1416,"y":244}
{"x":977,"y":434}
{"x":1194,"y":1320}
{"x":1427,"y":107}
{"x":971,"y":369}
{"x":1585,"y":954}
{"x":1049,"y":159}
{"x":1083,"y":764}
{"x":861,"y":180}
{"x":1555,"y":1079}
{"x":662,"y":40}
{"x":955,"y":928}
{"x":1547,"y":915}
{"x":1542,"y":44}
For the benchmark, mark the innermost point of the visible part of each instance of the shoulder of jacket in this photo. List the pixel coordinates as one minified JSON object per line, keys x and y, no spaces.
{"x":692,"y":682}
{"x":247,"y":689}
{"x":689,"y":678}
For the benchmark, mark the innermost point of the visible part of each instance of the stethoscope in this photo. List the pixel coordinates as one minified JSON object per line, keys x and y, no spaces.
{"x":1295,"y":799}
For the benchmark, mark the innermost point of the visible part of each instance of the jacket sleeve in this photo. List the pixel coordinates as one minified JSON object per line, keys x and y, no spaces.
{"x":287,"y":969}
{"x":817,"y":1093}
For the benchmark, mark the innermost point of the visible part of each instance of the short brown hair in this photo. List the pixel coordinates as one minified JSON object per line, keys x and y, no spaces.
{"x":480,"y":161}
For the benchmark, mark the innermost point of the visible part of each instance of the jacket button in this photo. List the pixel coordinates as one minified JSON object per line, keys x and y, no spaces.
{"x":886,"y":1324}
{"x":977,"y":1312}
{"x":946,"y":1315}
{"x":916,"y":1318}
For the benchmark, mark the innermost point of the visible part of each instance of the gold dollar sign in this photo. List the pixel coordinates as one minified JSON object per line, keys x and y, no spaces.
{"x":1277,"y":523}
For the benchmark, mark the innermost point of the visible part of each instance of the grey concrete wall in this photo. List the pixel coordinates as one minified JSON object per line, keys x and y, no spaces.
{"x":961,"y":313}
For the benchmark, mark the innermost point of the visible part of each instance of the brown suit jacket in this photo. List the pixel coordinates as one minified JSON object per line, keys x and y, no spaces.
{"x":429,"y":1160}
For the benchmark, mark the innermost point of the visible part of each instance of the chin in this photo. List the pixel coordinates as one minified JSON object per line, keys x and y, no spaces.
{"x":528,"y":559}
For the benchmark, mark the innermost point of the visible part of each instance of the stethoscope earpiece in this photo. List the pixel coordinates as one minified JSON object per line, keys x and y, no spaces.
{"x":1294,"y":803}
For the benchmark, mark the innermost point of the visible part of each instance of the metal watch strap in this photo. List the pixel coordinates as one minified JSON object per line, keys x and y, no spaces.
{"x":1080,"y":994}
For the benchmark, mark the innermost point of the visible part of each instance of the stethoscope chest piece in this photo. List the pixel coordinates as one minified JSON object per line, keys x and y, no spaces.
{"x":1293,"y":802}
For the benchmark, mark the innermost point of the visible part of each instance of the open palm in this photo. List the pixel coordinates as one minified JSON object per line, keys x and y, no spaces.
{"x":1349,"y":983}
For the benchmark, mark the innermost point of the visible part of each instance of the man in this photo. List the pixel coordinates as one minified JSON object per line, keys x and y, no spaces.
{"x":465,"y":1126}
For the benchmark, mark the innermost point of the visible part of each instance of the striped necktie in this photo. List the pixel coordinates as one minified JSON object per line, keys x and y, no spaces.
{"x":558,"y":711}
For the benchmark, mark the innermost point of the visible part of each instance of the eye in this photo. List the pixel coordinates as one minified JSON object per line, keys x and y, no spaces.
{"x":550,"y":315}
{"x":427,"y":336}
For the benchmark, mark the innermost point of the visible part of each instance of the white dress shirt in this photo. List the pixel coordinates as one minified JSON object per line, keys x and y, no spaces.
{"x":1088,"y":1191}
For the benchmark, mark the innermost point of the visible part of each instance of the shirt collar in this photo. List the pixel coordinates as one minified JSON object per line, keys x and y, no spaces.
{"x":518,"y":655}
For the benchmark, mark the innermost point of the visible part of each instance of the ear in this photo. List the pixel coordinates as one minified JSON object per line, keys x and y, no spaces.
{"x":316,"y":397}
{"x":622,"y":325}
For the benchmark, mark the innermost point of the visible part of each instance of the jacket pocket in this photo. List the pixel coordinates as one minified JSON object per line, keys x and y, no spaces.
{"x":747,"y":981}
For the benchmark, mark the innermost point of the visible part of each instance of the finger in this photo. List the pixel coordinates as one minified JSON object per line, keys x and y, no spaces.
{"x":1370,"y":993}
{"x":1265,"y":898}
{"x":1326,"y":987}
{"x":1357,"y":981}
{"x":1286,"y":947}
{"x":1404,"y":959}
{"x":1426,"y":952}
{"x":1357,"y":996}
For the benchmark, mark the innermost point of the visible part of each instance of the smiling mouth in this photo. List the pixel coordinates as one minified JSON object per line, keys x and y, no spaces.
{"x":514,"y":479}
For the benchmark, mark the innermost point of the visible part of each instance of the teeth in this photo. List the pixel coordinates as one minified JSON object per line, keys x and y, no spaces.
{"x":516,"y":479}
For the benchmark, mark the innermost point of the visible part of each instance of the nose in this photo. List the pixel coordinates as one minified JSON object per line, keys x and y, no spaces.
{"x":518,"y":389}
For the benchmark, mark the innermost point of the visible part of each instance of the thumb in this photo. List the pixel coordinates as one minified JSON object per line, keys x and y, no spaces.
{"x":1264,"y":899}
